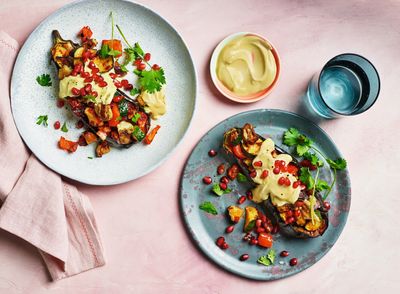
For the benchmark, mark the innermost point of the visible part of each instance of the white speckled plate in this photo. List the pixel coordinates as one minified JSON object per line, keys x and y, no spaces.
{"x":29,"y":100}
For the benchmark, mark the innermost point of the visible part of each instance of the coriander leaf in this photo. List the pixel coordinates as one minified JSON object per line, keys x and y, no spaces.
{"x":306,"y":177}
{"x":301,"y":149}
{"x":207,"y":206}
{"x":135,"y":117}
{"x":44,"y":80}
{"x":152,"y":80}
{"x":123,"y":68}
{"x":123,"y":107}
{"x":218,"y":191}
{"x":290,"y":137}
{"x":90,"y":157}
{"x":114,"y":53}
{"x":104,"y":51}
{"x":137,"y":72}
{"x":138,"y":51}
{"x":338,"y":164}
{"x":90,"y":97}
{"x":313,"y":158}
{"x":42,"y":120}
{"x":134,"y":91}
{"x":321,"y":185}
{"x":241,"y":178}
{"x":129,"y":55}
{"x":64,"y":127}
{"x":268,"y":259}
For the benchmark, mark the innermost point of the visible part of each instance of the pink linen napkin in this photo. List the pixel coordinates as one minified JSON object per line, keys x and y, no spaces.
{"x":38,"y":206}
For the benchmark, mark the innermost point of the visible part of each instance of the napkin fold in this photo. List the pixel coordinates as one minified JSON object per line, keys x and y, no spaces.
{"x":37,"y":205}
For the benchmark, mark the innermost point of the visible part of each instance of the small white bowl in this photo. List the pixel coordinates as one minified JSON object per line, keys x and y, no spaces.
{"x":225,"y":91}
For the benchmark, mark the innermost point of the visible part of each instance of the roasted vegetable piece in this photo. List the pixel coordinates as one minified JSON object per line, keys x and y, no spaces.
{"x":102,"y":148}
{"x":61,"y":49}
{"x":89,"y":137}
{"x":265,"y":240}
{"x":104,"y":64}
{"x":235,"y":213}
{"x":67,"y":145}
{"x":113,"y":45}
{"x":125,"y":130}
{"x":150,"y":136}
{"x":93,"y":119}
{"x":103,"y":111}
{"x":250,"y":219}
{"x":85,"y":33}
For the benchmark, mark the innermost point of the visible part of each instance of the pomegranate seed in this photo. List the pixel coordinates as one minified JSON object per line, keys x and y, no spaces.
{"x":287,"y":182}
{"x":75,"y":91}
{"x":258,"y":163}
{"x":296,"y":184}
{"x":60,"y":103}
{"x":253,"y":174}
{"x":74,"y":73}
{"x":262,"y":217}
{"x":98,"y":78}
{"x":244,"y":257}
{"x":327,"y":205}
{"x":260,"y":230}
{"x":268,"y":228}
{"x":276,"y":170}
{"x":88,"y":88}
{"x":95,"y":70}
{"x":79,"y":124}
{"x":282,"y":181}
{"x":86,"y":54}
{"x":275,"y":229}
{"x":225,"y":246}
{"x":283,"y":169}
{"x":207,"y":180}
{"x":241,"y":199}
{"x":289,"y":213}
{"x":224,"y":179}
{"x":229,"y":229}
{"x":305,"y":163}
{"x":117,"y":99}
{"x":128,"y":87}
{"x":264,"y":174}
{"x":84,"y":74}
{"x":220,"y":169}
{"x":91,"y":65}
{"x":297,"y":213}
{"x":212,"y":153}
{"x":102,"y":84}
{"x":147,"y":56}
{"x":220,"y":241}
{"x":95,"y":94}
{"x":137,"y":61}
{"x":299,"y":203}
{"x":57,"y":125}
{"x":253,"y":241}
{"x":155,"y":67}
{"x":313,"y":167}
{"x":117,"y":84}
{"x":88,"y":80}
{"x":78,"y":67}
{"x":277,"y":163}
{"x":290,"y":220}
{"x":258,"y":223}
{"x":124,"y":83}
{"x":249,"y":194}
{"x":141,"y":66}
{"x":82,"y":92}
{"x":284,"y":253}
{"x":113,"y":75}
{"x":293,"y":261}
{"x":302,"y":186}
{"x":223,"y":186}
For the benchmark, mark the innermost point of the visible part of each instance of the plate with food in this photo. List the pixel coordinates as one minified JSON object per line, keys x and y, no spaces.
{"x":103,"y":91}
{"x":265,"y":194}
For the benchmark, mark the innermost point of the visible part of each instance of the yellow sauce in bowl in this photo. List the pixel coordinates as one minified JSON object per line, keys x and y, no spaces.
{"x":246,"y":65}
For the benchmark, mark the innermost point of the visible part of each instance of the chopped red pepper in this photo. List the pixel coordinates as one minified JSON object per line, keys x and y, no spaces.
{"x":265,"y":240}
{"x":85,"y":33}
{"x":150,"y":136}
{"x":116,"y":116}
{"x":113,"y":45}
{"x":67,"y":145}
{"x":237,"y":151}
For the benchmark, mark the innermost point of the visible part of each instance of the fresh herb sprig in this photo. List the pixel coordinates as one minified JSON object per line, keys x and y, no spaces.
{"x":105,"y":50}
{"x":268,"y":259}
{"x":150,"y":80}
{"x":293,"y":138}
{"x":64,"y":127}
{"x":44,"y":80}
{"x":219,"y":191}
{"x":42,"y":120}
{"x":208,"y":207}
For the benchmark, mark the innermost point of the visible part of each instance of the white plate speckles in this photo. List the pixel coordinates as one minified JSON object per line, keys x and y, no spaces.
{"x":29,"y":100}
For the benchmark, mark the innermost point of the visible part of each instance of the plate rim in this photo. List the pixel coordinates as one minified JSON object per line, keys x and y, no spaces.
{"x":191,"y":231}
{"x":111,"y":182}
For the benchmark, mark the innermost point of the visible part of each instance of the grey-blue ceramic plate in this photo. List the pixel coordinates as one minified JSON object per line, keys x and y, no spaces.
{"x":29,"y":100}
{"x":205,"y":228}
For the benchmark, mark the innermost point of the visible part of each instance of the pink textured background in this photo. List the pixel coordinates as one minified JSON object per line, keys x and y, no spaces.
{"x":147,"y":248}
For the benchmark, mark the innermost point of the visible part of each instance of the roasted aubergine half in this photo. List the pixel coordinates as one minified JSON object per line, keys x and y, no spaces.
{"x":298,"y":212}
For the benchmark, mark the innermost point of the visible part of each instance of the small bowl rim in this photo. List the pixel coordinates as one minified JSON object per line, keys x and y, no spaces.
{"x":226,"y":92}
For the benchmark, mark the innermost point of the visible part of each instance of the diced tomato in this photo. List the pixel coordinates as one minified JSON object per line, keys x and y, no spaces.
{"x":113,"y":45}
{"x":150,"y":136}
{"x":115,"y":119}
{"x":67,"y":145}
{"x":237,"y":151}
{"x":265,"y":240}
{"x":85,"y":33}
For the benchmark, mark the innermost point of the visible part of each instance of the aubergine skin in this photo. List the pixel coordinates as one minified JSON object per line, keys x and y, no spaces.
{"x":290,"y":230}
